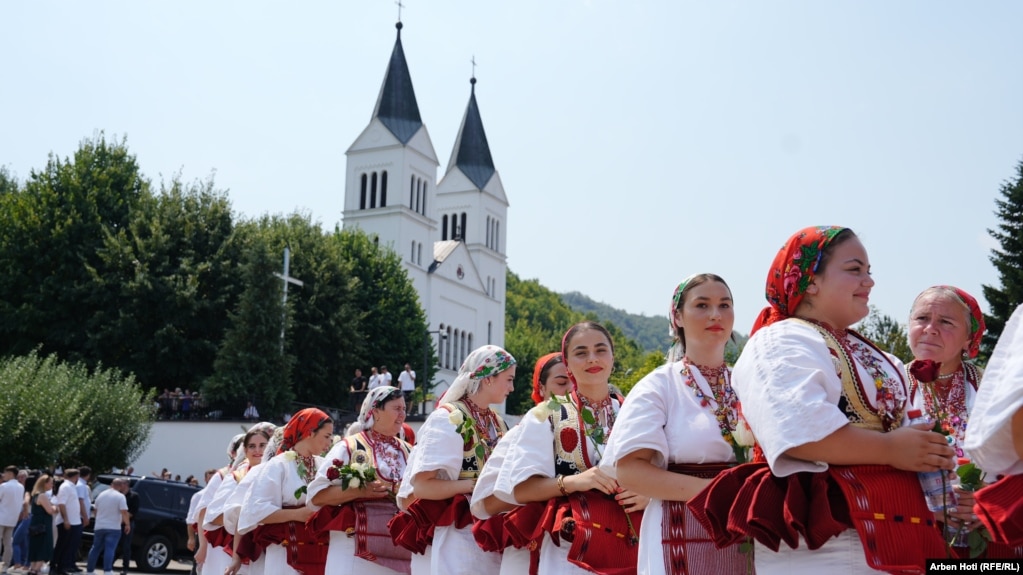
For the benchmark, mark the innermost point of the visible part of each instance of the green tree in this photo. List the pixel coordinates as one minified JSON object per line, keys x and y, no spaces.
{"x":392,"y":323}
{"x":251,"y":363}
{"x":886,"y":333}
{"x":164,"y":284}
{"x":42,"y":395}
{"x":536,"y":319}
{"x":1007,"y":259}
{"x":54,"y":226}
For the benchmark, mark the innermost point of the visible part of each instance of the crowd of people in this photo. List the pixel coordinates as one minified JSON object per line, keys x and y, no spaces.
{"x":42,"y":517}
{"x":361,"y":385}
{"x":179,"y":404}
{"x":800,"y":458}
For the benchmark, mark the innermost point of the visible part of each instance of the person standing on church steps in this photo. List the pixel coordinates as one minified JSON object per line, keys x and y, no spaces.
{"x":407,"y":384}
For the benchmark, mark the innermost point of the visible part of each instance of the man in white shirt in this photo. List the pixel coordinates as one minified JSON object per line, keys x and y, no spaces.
{"x":111,"y":519}
{"x":407,"y":384}
{"x":68,"y":520}
{"x":385,"y":376}
{"x":374,"y":379}
{"x":85,"y":499}
{"x":12,"y":501}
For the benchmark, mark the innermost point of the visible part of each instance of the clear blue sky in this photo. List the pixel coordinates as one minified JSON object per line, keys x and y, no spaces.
{"x":638,"y":142}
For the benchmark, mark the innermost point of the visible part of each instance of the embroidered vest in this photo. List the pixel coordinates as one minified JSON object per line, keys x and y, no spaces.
{"x":471,"y":466}
{"x":358,"y":443}
{"x":854,"y":402}
{"x":569,"y":458}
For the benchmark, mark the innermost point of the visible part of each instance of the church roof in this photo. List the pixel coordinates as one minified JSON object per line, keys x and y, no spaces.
{"x":471,"y":154}
{"x":396,"y":106}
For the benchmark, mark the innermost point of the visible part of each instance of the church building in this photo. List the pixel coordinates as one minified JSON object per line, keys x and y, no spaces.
{"x":450,"y":233}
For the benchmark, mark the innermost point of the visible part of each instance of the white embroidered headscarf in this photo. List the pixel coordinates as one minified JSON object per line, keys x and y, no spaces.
{"x":376,"y":397}
{"x":483,"y":362}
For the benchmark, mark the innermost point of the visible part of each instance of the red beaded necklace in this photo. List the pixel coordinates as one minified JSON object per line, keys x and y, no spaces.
{"x":726,"y":402}
{"x":484,"y":420}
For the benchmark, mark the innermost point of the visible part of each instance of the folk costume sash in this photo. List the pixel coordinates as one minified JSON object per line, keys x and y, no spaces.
{"x":594,"y":524}
{"x":306,"y":548}
{"x":414,"y":528}
{"x":883,"y":504}
{"x":688,"y":547}
{"x":1000,"y":508}
{"x":366,"y":519}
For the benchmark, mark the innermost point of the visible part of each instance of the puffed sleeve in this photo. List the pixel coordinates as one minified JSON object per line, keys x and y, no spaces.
{"x":238,"y":497}
{"x":789,"y":388}
{"x":439,"y":448}
{"x":487,"y":480}
{"x":216,"y":506}
{"x":989,"y":436}
{"x":530,"y":452}
{"x":266,"y":495}
{"x":641,"y":423}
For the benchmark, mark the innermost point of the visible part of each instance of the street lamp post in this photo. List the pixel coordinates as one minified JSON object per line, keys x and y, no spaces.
{"x":426,"y":360}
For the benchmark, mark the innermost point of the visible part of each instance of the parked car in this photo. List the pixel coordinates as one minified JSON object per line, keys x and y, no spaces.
{"x":160,"y":535}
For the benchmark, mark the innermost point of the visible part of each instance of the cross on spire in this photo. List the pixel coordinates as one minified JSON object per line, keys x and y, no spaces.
{"x":473,"y":60}
{"x":400,"y":6}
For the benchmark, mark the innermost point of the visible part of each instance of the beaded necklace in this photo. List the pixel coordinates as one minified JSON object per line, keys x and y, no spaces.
{"x":947,"y":404}
{"x":600,"y":430}
{"x":484,"y":421}
{"x":889,"y":396}
{"x":726,"y":402}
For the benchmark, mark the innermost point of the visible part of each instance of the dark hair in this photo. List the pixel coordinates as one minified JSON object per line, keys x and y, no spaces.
{"x":11,"y":469}
{"x":829,"y":250}
{"x":545,"y":371}
{"x":693,"y":282}
{"x":391,"y":396}
{"x":583,"y":326}
{"x":85,"y":471}
{"x":259,"y":431}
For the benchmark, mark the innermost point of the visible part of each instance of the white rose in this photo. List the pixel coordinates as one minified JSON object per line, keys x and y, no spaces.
{"x":354,"y":483}
{"x":456,"y":417}
{"x":542,"y":412}
{"x":743,"y":434}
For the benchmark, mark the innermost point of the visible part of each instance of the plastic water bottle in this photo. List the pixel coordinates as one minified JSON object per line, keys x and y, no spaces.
{"x":937,"y":485}
{"x":960,"y":535}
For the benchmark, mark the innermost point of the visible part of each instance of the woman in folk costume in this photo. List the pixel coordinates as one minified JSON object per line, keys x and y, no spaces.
{"x":253,"y":560}
{"x":995,"y":437}
{"x":219,"y":556}
{"x":680,"y":428}
{"x":276,"y":509}
{"x":827,"y":408}
{"x":356,"y":512}
{"x":588,"y":523}
{"x":452,"y":446}
{"x":208,"y":492}
{"x":549,"y":378}
{"x":945,"y":327}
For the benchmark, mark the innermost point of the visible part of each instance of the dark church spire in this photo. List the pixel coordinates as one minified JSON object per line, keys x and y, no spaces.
{"x":472,"y":153}
{"x":396,"y":106}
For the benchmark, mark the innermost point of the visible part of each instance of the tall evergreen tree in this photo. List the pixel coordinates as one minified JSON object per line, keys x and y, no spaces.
{"x":252,"y":363}
{"x":1007,"y":258}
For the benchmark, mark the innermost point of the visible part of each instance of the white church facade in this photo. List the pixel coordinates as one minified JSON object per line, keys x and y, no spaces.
{"x":450,"y":233}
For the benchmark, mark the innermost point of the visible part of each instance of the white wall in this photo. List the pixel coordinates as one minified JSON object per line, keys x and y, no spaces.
{"x":187,"y":448}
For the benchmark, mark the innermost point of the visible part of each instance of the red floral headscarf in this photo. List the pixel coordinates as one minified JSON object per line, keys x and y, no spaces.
{"x":537,"y":369}
{"x":791,"y":272}
{"x":302,"y":425}
{"x":977,"y":326}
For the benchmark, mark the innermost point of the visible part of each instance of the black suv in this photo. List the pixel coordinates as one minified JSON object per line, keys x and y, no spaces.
{"x":160,"y":534}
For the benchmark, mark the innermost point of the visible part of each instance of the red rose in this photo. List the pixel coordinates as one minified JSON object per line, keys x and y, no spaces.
{"x":569,"y":439}
{"x":333,"y":474}
{"x":924,"y":370}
